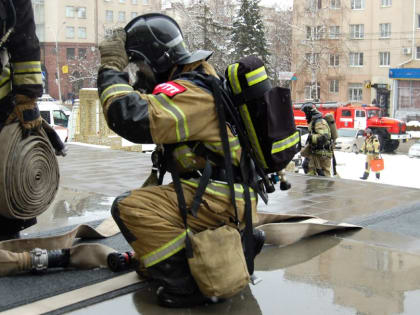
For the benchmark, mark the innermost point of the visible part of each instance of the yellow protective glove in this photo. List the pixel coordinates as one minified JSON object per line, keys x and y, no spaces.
{"x":27,"y":112}
{"x":112,"y":49}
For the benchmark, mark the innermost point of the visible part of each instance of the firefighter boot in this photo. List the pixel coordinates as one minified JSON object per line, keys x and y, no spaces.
{"x":378,"y":175}
{"x":365,"y":175}
{"x":176,"y":288}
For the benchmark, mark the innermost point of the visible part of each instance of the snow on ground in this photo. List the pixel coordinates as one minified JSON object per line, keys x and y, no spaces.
{"x":399,"y":169}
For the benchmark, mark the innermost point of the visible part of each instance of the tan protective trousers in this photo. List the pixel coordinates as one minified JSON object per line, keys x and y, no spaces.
{"x":150,"y":219}
{"x":369,"y":158}
{"x":321,"y":162}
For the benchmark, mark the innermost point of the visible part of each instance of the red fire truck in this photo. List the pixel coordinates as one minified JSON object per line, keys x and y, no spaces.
{"x":389,"y":130}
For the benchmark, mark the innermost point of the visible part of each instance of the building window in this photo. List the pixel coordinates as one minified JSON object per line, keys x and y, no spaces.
{"x":70,"y":32}
{"x":356,"y":59}
{"x":357,"y":4}
{"x":81,"y":13}
{"x":70,"y":53}
{"x":70,"y":12}
{"x":145,"y":2}
{"x":82,"y":52}
{"x":312,"y":91}
{"x":334,"y":32}
{"x":82,"y":33}
{"x":122,"y":1}
{"x":334,"y":60}
{"x":418,"y":52}
{"x":335,"y":4}
{"x":386,"y":3}
{"x":134,"y":2}
{"x":312,"y":58}
{"x":385,"y":29}
{"x":418,"y":20}
{"x":109,"y":16}
{"x":313,"y":5}
{"x":107,"y":0}
{"x":313,"y":32}
{"x":355,"y":92}
{"x":121,"y":16}
{"x":357,"y":31}
{"x":334,"y":86}
{"x":385,"y":58}
{"x":133,"y":15}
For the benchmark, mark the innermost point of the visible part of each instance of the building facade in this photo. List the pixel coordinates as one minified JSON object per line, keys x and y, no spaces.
{"x":69,"y":32}
{"x":345,"y":51}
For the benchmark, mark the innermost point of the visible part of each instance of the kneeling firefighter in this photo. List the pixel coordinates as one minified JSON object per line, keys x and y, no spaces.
{"x":174,"y":105}
{"x":20,"y":86}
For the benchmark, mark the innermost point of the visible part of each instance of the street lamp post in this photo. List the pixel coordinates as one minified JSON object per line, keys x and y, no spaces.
{"x":56,"y":61}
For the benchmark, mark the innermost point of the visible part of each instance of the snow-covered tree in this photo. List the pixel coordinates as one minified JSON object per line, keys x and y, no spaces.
{"x":279,"y":37}
{"x":248,"y":33}
{"x":83,"y":70}
{"x":206,"y":24}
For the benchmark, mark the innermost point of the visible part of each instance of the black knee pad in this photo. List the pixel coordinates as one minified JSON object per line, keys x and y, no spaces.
{"x":115,"y":212}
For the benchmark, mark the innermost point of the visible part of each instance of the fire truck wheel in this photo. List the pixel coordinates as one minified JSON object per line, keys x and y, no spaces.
{"x":381,"y":143}
{"x":391,"y":145}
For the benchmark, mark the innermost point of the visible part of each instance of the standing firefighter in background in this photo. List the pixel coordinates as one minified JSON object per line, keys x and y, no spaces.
{"x":167,"y":108}
{"x":20,"y":81}
{"x":371,"y":149}
{"x":319,"y":147}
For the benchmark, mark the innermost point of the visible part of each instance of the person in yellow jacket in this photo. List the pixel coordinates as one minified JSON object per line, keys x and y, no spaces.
{"x":318,"y":149}
{"x":166,"y":107}
{"x":371,"y":148}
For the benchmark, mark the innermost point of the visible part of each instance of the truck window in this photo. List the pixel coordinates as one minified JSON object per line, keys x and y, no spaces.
{"x":46,"y":115}
{"x":60,"y":118}
{"x":346,"y":113}
{"x":373,"y":113}
{"x":360,"y":113}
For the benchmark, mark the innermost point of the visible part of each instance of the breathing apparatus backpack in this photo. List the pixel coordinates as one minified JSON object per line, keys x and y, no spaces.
{"x":266,"y":113}
{"x":329,"y":118}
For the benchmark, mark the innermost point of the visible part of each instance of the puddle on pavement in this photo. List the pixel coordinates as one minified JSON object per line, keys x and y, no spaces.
{"x":320,"y":275}
{"x":72,"y":207}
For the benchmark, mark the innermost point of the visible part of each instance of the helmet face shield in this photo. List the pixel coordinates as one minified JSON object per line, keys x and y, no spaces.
{"x":157,"y":40}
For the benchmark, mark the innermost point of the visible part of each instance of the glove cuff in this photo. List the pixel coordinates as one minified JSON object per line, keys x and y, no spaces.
{"x":27,"y":112}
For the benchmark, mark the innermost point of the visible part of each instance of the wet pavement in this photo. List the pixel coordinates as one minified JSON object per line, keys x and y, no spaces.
{"x":372,"y":271}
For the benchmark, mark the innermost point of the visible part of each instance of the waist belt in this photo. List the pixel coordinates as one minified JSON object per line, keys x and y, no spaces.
{"x":29,"y":173}
{"x":219,"y":174}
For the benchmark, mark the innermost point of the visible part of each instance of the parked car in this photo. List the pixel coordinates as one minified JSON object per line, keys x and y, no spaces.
{"x":414,"y":150}
{"x":55,"y":116}
{"x":349,"y":139}
{"x":46,"y":98}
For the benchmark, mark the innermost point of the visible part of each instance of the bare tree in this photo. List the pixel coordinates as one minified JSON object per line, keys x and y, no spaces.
{"x":83,"y":70}
{"x":206,"y":24}
{"x":319,"y":48}
{"x":279,"y":37}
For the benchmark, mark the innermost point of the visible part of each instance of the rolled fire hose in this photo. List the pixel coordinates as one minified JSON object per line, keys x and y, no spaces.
{"x":29,"y":173}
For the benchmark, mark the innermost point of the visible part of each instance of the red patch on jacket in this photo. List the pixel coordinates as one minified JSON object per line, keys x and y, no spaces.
{"x":169,"y":89}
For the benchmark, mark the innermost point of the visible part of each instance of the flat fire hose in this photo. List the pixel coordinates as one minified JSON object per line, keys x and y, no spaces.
{"x":15,"y":256}
{"x":29,"y":173}
{"x":280,"y":229}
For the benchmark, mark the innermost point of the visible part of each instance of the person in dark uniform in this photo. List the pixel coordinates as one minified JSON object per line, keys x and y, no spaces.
{"x":20,"y":81}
